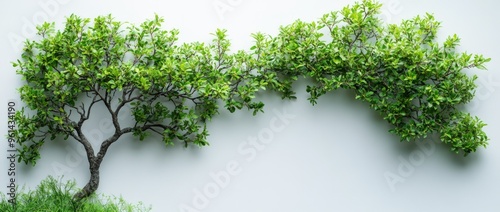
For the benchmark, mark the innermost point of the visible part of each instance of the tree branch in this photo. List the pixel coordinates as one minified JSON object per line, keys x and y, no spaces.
{"x":86,"y":144}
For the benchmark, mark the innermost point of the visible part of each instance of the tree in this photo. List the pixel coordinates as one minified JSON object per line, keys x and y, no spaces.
{"x":414,"y":82}
{"x":171,"y":90}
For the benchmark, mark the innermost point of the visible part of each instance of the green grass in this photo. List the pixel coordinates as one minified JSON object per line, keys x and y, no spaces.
{"x":53,"y":196}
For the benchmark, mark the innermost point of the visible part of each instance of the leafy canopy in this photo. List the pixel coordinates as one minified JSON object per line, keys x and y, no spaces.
{"x":172,"y":89}
{"x":413,"y":81}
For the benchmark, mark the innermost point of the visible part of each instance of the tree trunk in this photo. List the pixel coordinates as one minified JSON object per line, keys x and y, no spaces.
{"x":95,"y":162}
{"x":93,"y":183}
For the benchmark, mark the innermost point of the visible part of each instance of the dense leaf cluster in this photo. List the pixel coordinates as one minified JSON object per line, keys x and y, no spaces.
{"x":413,"y":81}
{"x":172,"y":89}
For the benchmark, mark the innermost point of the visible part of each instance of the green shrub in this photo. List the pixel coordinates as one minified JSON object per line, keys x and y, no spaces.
{"x":416,"y":83}
{"x":53,"y":196}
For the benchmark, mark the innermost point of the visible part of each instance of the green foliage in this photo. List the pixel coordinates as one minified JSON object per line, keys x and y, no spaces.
{"x":173,"y":89}
{"x":413,"y":81}
{"x":170,"y":89}
{"x":52,"y":195}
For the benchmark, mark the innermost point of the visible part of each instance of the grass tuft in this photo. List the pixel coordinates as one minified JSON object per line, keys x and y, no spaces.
{"x":53,"y":196}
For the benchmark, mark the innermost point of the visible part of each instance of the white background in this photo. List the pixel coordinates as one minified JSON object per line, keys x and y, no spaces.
{"x":335,"y":156}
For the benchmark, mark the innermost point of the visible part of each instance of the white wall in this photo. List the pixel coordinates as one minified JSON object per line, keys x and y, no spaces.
{"x":330,"y":157}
